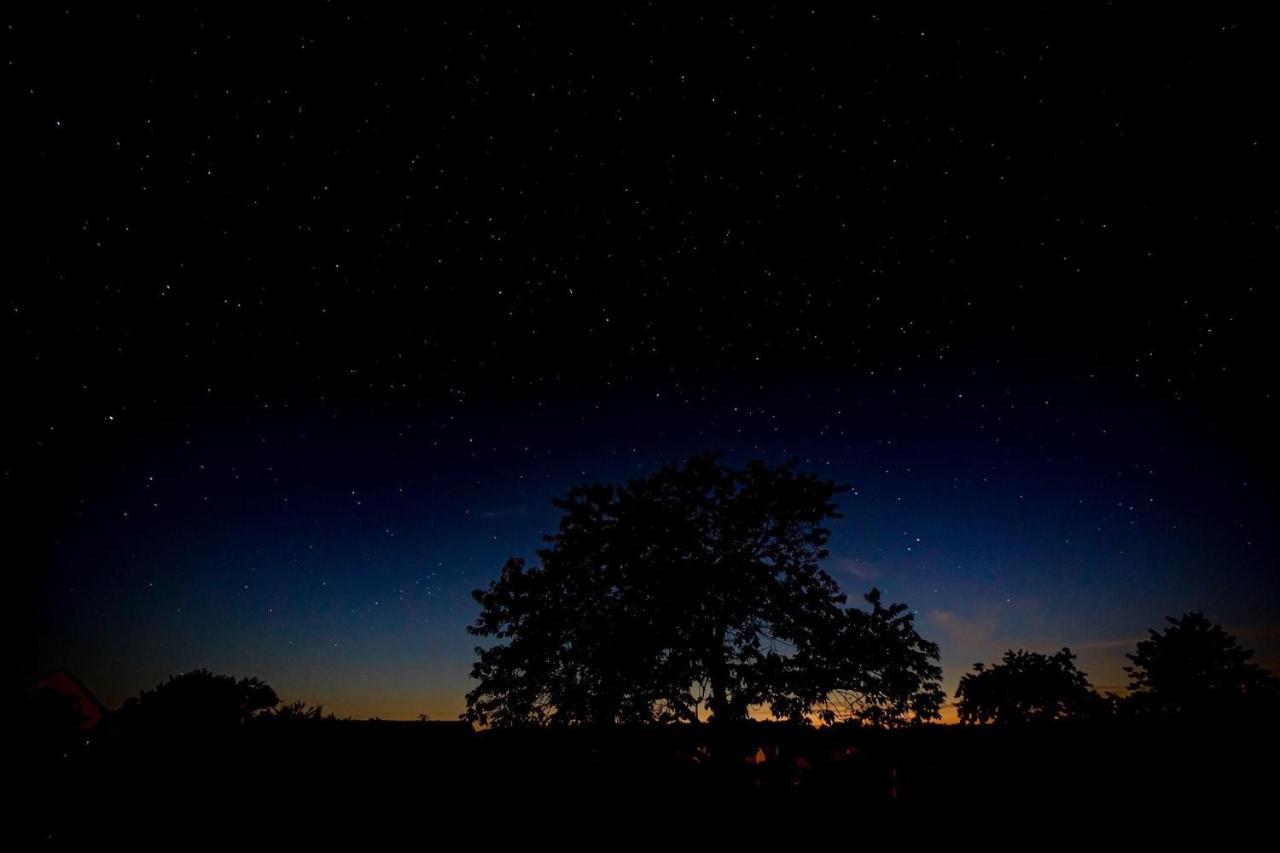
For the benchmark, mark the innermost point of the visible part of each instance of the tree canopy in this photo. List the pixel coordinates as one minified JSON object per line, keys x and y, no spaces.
{"x":1024,"y":687}
{"x":1195,"y":667}
{"x":696,"y":588}
{"x":200,"y":700}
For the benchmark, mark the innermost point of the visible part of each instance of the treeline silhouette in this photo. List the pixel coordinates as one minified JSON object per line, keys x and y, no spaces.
{"x":1190,"y":670}
{"x":621,"y":675}
{"x":213,"y":757}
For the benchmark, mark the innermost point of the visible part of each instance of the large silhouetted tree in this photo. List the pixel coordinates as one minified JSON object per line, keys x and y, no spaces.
{"x":696,"y":587}
{"x":1194,"y":667}
{"x":1025,"y":687}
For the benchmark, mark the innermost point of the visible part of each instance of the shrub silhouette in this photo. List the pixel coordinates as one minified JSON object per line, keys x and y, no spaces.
{"x":197,"y":701}
{"x":1194,"y":668}
{"x":297,"y":712}
{"x":1024,"y":687}
{"x":696,"y":588}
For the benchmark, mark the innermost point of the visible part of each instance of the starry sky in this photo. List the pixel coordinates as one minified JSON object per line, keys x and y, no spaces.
{"x":308,"y":316}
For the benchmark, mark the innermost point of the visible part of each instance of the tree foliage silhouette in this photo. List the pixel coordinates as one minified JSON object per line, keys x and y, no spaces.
{"x":197,"y":701}
{"x":1025,"y":687}
{"x":298,"y":712}
{"x":1194,"y":667}
{"x":696,"y":588}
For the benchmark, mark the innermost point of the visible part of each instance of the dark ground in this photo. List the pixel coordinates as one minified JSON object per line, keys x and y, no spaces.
{"x":323,"y":781}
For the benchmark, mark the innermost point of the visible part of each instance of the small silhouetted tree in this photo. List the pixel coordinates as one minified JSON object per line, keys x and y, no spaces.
{"x":1025,"y":687}
{"x":1193,"y":667}
{"x":197,"y":701}
{"x":296,"y":712}
{"x":696,"y":587}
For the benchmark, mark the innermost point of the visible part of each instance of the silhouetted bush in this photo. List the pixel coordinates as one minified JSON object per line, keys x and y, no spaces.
{"x":297,"y":712}
{"x":1025,"y":687}
{"x":1194,"y":668}
{"x":197,"y":701}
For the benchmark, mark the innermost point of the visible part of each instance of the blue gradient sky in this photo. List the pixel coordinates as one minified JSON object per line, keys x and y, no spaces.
{"x":308,"y":319}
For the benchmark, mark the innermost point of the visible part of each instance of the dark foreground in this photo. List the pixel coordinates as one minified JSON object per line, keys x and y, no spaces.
{"x":330,"y":780}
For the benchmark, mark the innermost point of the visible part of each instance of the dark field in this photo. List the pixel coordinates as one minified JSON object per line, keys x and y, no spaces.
{"x":329,"y":779}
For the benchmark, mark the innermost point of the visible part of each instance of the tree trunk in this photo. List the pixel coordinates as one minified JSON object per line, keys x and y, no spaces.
{"x":719,"y":699}
{"x":718,"y":674}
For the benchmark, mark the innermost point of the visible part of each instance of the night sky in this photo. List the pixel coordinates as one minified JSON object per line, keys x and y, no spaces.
{"x":308,"y":318}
